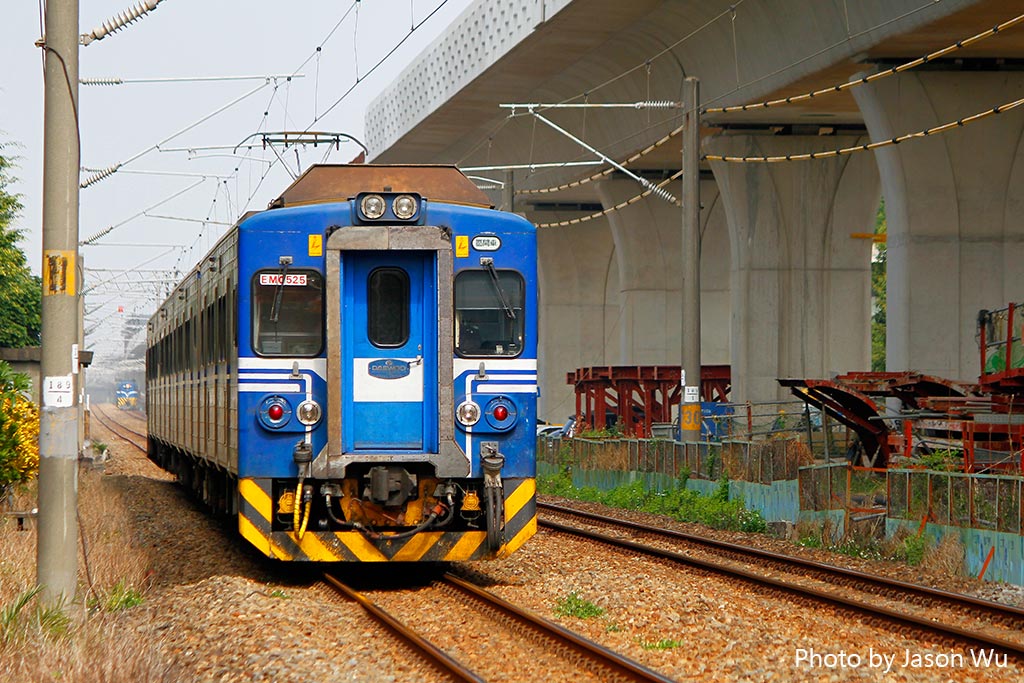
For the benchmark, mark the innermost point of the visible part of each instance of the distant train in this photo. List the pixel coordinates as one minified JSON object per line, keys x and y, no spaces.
{"x":126,"y":394}
{"x":353,"y":372}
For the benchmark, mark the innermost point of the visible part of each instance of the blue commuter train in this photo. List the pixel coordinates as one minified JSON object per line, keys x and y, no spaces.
{"x":126,"y":395}
{"x":353,"y":372}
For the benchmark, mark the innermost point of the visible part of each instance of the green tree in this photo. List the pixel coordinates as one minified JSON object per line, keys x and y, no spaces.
{"x":20,"y":291}
{"x":19,"y":430}
{"x":878,"y":280}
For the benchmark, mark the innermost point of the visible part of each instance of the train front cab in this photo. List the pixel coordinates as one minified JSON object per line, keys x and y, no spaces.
{"x":429,"y":454}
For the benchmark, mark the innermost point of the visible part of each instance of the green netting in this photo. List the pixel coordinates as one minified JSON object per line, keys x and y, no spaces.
{"x":940,"y":498}
{"x":917,"y":506}
{"x":897,"y":501}
{"x":1008,"y":497}
{"x":984,"y":494}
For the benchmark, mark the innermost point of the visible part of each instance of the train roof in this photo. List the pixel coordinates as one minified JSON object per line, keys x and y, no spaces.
{"x":341,"y":182}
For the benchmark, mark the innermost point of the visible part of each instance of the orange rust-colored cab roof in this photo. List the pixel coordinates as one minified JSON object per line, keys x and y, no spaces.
{"x":341,"y":182}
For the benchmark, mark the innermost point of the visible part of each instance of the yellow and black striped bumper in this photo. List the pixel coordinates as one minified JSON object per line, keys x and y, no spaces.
{"x":256,"y":509}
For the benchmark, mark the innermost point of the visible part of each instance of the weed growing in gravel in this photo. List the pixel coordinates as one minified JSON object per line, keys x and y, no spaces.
{"x":663,"y":644}
{"x":121,"y":596}
{"x":72,"y":645}
{"x":574,"y":606}
{"x":11,"y":620}
{"x":680,"y":503}
{"x":612,"y":627}
{"x":278,"y":593}
{"x":914,"y":549}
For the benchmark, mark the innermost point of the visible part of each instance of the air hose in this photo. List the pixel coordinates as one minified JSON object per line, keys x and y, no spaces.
{"x":301,"y":497}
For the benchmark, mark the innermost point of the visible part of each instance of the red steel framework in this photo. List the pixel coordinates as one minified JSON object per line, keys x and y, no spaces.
{"x":639,"y":396}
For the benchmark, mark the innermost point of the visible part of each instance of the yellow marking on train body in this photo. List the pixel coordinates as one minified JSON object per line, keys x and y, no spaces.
{"x":361,"y":547}
{"x":417,"y":546}
{"x":528,"y":530}
{"x":523,"y":494}
{"x":314,"y":548}
{"x":256,"y":497}
{"x":466,"y":546}
{"x":263,"y":543}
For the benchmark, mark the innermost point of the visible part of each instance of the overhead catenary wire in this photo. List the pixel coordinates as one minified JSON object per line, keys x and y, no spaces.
{"x":114,"y":80}
{"x":787,"y":100}
{"x":906,"y":66}
{"x":655,"y":189}
{"x":646,"y":65}
{"x":959,"y":123}
{"x":612,"y":209}
{"x":109,"y":171}
{"x":95,"y":236}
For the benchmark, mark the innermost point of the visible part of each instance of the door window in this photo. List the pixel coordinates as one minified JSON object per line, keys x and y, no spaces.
{"x":387,"y":307}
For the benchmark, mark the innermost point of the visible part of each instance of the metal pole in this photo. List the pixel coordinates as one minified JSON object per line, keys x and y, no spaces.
{"x":689,"y":409}
{"x":508,"y":192}
{"x":57,"y":549}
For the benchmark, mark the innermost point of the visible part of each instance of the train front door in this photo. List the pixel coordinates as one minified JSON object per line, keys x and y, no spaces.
{"x":389,"y":323}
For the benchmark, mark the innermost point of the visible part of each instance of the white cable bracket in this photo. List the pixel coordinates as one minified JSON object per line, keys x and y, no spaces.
{"x":644,"y":104}
{"x":644,"y":182}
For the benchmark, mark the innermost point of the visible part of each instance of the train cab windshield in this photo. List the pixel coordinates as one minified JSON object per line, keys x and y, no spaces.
{"x":288,"y":313}
{"x":489,"y":312}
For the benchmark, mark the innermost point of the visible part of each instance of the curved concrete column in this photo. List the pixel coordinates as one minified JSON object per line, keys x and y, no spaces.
{"x":953,"y":204}
{"x":576,"y":265}
{"x":801,"y":299}
{"x":648,"y":248}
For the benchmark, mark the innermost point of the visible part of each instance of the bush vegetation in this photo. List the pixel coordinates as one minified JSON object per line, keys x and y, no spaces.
{"x":680,"y":503}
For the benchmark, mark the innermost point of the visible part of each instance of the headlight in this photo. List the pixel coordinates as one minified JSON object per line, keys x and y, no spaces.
{"x":308,"y":413}
{"x":372,"y":206}
{"x":468,"y":413}
{"x":405,"y":207}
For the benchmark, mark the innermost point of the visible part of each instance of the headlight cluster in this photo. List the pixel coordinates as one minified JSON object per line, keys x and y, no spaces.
{"x":497,"y":414}
{"x":403,"y":207}
{"x":275,"y":412}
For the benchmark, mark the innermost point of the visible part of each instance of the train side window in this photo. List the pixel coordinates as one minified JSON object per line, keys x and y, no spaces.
{"x":489,"y":313}
{"x":387,"y":307}
{"x":288,"y":313}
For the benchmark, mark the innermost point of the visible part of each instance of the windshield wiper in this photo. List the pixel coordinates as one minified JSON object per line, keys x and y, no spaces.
{"x":275,"y":310}
{"x":488,"y":263}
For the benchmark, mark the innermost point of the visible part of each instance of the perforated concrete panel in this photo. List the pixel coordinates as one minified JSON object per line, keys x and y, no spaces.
{"x":484,"y":33}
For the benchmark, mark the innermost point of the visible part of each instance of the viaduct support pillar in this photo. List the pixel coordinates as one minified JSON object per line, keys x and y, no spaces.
{"x":801,"y":299}
{"x":953,"y":205}
{"x":647,"y":255}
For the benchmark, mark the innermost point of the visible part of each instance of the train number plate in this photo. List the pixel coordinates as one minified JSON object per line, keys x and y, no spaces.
{"x":487,"y":243}
{"x":290,"y":280}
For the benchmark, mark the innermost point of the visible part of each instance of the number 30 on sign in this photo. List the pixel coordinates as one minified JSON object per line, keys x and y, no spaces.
{"x":689,"y":416}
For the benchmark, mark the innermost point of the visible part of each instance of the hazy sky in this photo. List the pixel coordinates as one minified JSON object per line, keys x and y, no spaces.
{"x":195,"y":38}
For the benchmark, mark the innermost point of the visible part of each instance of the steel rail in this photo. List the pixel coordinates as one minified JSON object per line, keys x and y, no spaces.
{"x":436,"y":656}
{"x":942,"y":597}
{"x":110,"y":423}
{"x":946,"y":630}
{"x":620,"y":666}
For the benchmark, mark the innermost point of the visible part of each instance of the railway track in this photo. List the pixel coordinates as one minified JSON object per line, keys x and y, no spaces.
{"x":888,"y":600}
{"x":133,"y":437}
{"x":570,"y":649}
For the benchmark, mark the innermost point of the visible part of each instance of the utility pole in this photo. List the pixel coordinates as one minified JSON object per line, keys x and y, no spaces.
{"x":57,"y":569}
{"x":689,"y":408}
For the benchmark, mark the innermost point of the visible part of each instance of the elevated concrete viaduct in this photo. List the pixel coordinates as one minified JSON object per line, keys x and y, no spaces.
{"x":785,"y":289}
